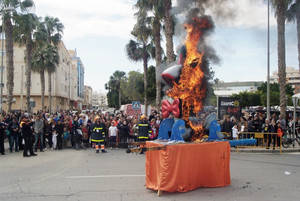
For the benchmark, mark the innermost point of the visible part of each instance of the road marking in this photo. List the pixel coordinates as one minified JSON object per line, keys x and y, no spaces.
{"x":105,"y":176}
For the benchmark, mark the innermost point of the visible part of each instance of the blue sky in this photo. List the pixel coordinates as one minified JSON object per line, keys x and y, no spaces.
{"x":99,"y":30}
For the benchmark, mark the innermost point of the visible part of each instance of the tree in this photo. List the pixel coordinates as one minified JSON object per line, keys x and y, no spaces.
{"x":45,"y":58}
{"x":50,"y":31}
{"x":25,"y":26}
{"x":248,"y":98}
{"x":274,"y":93}
{"x":151,"y":90}
{"x":38,"y":58}
{"x":156,"y":7}
{"x":114,"y":85}
{"x":169,"y":31}
{"x":281,"y":7}
{"x":142,"y":49}
{"x":293,"y":14}
{"x":133,"y":87}
{"x":10,"y":9}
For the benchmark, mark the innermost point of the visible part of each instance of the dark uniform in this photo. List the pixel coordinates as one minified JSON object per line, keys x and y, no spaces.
{"x":28,"y":138}
{"x":144,"y":131}
{"x":2,"y":137}
{"x":98,"y":135}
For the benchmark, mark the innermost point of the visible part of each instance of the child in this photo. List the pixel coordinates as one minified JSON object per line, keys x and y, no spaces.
{"x":112,"y":133}
{"x":54,"y":140}
{"x":66,"y":136}
{"x":235,"y":132}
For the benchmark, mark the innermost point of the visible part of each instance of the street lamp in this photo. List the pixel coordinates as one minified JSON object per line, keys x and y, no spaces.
{"x":268,"y":64}
{"x":2,"y":55}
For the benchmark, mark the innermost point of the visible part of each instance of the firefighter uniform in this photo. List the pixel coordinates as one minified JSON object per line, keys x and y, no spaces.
{"x":144,"y":130}
{"x":98,"y":136}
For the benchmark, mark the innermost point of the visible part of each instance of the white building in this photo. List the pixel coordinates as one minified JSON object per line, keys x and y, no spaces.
{"x":292,"y":78}
{"x":64,"y":82}
{"x":227,"y":89}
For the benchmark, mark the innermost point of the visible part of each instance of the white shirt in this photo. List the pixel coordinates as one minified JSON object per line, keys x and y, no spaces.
{"x":113,"y":131}
{"x":234,"y":132}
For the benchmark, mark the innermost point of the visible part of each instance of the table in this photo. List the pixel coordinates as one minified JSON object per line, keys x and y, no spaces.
{"x":185,"y":167}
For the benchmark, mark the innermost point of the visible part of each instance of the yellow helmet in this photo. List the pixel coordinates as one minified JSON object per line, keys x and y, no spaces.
{"x":143,"y":117}
{"x":96,"y":118}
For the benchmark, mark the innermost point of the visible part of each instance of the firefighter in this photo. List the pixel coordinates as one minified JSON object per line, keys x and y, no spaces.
{"x":144,"y":131}
{"x":98,"y":135}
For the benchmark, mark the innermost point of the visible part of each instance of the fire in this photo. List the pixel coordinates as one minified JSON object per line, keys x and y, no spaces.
{"x":191,"y":89}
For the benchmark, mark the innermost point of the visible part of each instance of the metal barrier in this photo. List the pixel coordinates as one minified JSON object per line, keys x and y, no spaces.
{"x":263,"y":139}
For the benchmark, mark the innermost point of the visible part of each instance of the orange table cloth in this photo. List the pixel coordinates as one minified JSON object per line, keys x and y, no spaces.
{"x":185,"y":167}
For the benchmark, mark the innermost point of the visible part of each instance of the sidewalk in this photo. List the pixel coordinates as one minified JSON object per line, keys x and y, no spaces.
{"x":264,"y":150}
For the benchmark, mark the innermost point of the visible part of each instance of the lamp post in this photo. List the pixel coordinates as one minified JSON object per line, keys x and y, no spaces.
{"x":2,"y":69}
{"x":268,"y":64}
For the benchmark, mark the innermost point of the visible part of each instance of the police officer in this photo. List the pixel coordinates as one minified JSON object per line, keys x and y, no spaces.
{"x":27,"y":133}
{"x":144,"y":130}
{"x":98,"y":135}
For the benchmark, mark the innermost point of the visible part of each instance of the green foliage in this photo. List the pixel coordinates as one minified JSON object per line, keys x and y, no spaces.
{"x":151,"y":89}
{"x":131,"y":86}
{"x":24,"y":28}
{"x":114,"y":87}
{"x":260,"y":96}
{"x":45,"y":58}
{"x":248,"y":98}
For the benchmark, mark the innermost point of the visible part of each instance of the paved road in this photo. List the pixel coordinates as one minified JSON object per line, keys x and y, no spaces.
{"x":84,"y":176}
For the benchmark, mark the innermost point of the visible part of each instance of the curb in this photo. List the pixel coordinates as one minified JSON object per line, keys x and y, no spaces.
{"x":265,"y":150}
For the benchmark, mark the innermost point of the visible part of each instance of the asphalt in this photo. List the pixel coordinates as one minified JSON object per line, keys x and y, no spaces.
{"x":86,"y":176}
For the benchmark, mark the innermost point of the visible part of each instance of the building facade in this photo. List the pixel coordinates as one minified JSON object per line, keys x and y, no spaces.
{"x":226,"y":89}
{"x":76,"y":61}
{"x":99,"y":100}
{"x":88,"y":97}
{"x":64,"y":83}
{"x":292,"y":78}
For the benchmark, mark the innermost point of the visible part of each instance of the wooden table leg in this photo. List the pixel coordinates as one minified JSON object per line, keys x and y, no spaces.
{"x":159,"y":193}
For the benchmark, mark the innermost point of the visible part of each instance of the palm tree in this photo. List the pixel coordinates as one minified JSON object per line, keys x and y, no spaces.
{"x":169,"y":31}
{"x":51,"y":61}
{"x":38,"y":59}
{"x":24,"y":29}
{"x":293,"y":14}
{"x":281,"y":7}
{"x":142,"y":49}
{"x":157,"y":8}
{"x":48,"y":35}
{"x":10,"y":8}
{"x":116,"y":80}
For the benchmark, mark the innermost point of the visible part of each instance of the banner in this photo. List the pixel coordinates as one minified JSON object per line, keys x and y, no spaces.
{"x":228,"y":106}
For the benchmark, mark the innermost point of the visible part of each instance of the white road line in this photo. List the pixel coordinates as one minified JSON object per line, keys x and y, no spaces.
{"x":104,"y":176}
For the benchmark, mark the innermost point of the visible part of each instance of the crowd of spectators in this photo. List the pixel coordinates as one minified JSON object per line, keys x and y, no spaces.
{"x":43,"y":131}
{"x":250,"y":123}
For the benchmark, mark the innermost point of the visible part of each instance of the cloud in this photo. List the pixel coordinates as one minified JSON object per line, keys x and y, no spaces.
{"x":248,"y":14}
{"x":100,"y":18}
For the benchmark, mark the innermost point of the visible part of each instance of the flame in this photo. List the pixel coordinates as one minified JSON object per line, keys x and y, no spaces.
{"x":191,"y":89}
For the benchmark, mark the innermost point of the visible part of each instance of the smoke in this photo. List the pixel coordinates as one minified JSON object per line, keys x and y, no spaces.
{"x":219,"y":10}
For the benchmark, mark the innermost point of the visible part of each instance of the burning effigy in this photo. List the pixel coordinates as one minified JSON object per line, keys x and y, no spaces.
{"x":188,"y":82}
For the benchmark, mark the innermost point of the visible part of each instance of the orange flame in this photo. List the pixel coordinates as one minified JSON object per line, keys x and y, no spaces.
{"x":191,"y":88}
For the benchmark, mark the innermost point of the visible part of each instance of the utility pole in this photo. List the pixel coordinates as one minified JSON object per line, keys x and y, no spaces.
{"x":268,"y":63}
{"x":2,"y":69}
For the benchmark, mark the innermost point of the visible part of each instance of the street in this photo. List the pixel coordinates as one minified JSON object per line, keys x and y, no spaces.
{"x":85,"y":176}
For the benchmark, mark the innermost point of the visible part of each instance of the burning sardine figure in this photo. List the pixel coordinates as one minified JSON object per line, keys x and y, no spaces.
{"x":172,"y":74}
{"x":187,"y":79}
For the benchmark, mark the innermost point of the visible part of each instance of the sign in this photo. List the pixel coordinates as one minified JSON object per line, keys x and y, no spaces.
{"x":136,"y":105}
{"x":32,"y":104}
{"x":228,"y":106}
